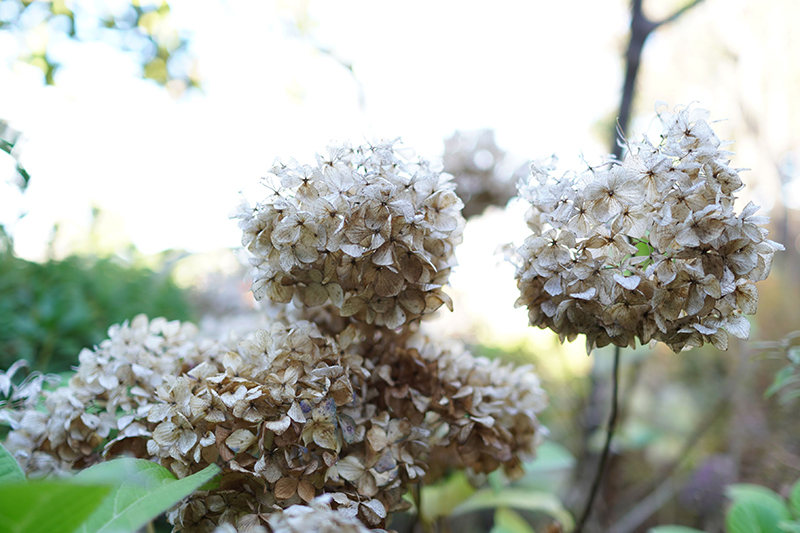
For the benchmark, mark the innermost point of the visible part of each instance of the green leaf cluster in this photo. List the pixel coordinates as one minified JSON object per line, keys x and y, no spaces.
{"x":535,"y":492}
{"x":50,"y":311}
{"x":116,"y":496}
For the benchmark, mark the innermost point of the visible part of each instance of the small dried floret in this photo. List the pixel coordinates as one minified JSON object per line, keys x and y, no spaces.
{"x":646,"y":248}
{"x":366,"y":229}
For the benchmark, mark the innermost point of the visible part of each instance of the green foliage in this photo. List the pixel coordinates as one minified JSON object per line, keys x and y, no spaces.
{"x":509,"y":521}
{"x":50,"y":311}
{"x":142,"y":28}
{"x":519,"y":498}
{"x":9,"y":138}
{"x":787,"y":379}
{"x":755,"y":509}
{"x":114,"y":496}
{"x":52,"y":506}
{"x":535,"y":491}
{"x":10,"y":472}
{"x":143,"y":490}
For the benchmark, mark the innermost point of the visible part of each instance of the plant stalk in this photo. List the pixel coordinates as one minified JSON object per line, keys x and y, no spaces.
{"x":612,"y":422}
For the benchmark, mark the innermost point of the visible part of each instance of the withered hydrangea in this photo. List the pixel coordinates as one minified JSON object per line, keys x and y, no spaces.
{"x":484,"y":173}
{"x":290,"y":414}
{"x":323,"y":417}
{"x":648,"y":248}
{"x":367,"y":229}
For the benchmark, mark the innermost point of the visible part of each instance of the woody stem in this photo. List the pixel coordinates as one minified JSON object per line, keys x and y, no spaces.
{"x":612,"y":421}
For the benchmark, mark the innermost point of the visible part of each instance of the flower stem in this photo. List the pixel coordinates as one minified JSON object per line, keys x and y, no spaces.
{"x":612,"y":421}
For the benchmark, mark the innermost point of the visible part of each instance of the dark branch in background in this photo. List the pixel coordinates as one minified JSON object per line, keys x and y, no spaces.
{"x":612,"y":423}
{"x":646,"y":491}
{"x":641,"y":28}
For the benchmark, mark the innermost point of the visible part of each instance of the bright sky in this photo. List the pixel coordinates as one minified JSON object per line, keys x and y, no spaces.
{"x":172,"y":170}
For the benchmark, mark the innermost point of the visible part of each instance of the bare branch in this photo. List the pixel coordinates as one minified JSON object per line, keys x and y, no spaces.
{"x":678,"y":13}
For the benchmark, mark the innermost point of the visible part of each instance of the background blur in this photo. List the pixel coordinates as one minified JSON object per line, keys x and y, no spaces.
{"x":131,"y":128}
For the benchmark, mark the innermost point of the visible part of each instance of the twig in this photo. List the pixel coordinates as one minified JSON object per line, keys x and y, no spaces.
{"x":646,"y":508}
{"x":612,"y":421}
{"x":641,"y":28}
{"x":678,"y":13}
{"x":637,"y":492}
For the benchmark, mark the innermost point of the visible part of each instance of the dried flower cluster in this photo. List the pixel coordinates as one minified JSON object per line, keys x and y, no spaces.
{"x":290,"y":413}
{"x":482,"y":171}
{"x":646,"y":248}
{"x":366,"y":229}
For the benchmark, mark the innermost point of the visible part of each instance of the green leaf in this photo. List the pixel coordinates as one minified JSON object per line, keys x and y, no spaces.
{"x":750,"y":493}
{"x":546,"y":473}
{"x":783,"y":377}
{"x":509,"y":521}
{"x":789,"y":527}
{"x":794,"y":500}
{"x":755,"y":515}
{"x":146,"y":490}
{"x":673,"y":529}
{"x":47,"y":506}
{"x":543,"y":502}
{"x":10,"y":472}
{"x":440,"y":499}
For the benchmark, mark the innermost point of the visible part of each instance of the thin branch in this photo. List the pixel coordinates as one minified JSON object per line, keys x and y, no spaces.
{"x":638,"y":492}
{"x":641,"y":28}
{"x":612,"y":421}
{"x":646,"y":508}
{"x":678,"y":13}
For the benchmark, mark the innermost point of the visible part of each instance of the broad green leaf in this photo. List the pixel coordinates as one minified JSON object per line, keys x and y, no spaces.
{"x":144,"y":491}
{"x":550,"y":456}
{"x":794,"y":500}
{"x":750,"y":493}
{"x":755,"y":516}
{"x":47,"y":506}
{"x":440,"y":499}
{"x":10,"y":472}
{"x":673,"y":529}
{"x":509,"y":521}
{"x":543,"y":502}
{"x":544,"y":474}
{"x":789,"y":527}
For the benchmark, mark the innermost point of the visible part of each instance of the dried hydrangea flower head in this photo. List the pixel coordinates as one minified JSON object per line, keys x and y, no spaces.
{"x":289,"y":413}
{"x":648,"y":248}
{"x":367,"y":229}
{"x":481,"y":170}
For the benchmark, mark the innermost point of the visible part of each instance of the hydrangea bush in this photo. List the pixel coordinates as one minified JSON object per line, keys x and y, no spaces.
{"x":323,"y":419}
{"x":647,"y":248}
{"x":342,"y":403}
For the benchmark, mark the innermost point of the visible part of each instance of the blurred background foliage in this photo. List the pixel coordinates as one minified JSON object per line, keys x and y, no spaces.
{"x":50,"y":311}
{"x":691,"y":424}
{"x":141,"y":28}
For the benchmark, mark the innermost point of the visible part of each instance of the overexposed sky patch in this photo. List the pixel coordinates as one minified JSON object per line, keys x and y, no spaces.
{"x":535,"y":71}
